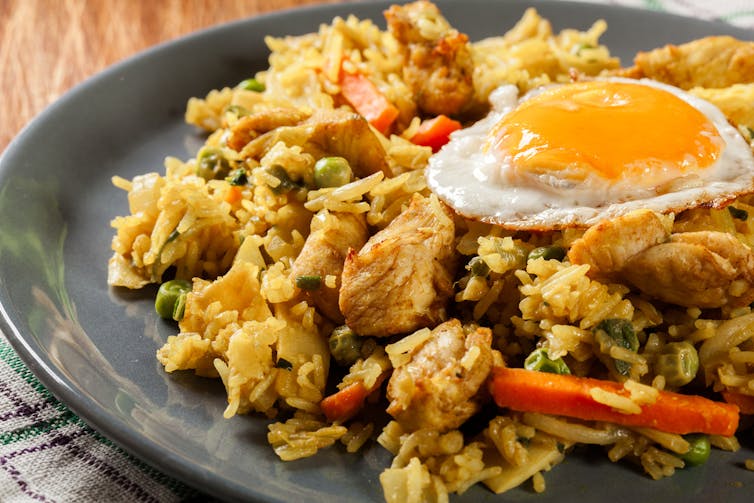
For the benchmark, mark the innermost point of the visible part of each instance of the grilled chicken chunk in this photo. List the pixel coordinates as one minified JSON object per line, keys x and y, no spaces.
{"x":608,"y":245}
{"x":402,"y":278}
{"x":329,"y":133}
{"x":704,"y":268}
{"x":439,"y":388}
{"x":707,"y":62}
{"x":251,"y":126}
{"x":438,"y":66}
{"x":707,"y":269}
{"x":324,"y":252}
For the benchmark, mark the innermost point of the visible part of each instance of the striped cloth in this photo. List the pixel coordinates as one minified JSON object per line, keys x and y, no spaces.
{"x":48,"y":454}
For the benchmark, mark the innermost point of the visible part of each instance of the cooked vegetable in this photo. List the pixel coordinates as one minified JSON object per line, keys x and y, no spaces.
{"x":620,"y":332}
{"x":435,"y":132}
{"x":368,"y":101}
{"x":478,"y":267}
{"x":744,"y":402}
{"x":211,"y":164}
{"x":286,"y":184}
{"x":344,"y":404}
{"x":699,"y":450}
{"x":171,"y":298}
{"x":345,"y":346}
{"x":309,"y":282}
{"x":547,"y":253}
{"x":332,"y":172}
{"x":539,"y":360}
{"x":252,"y":85}
{"x":678,"y":363}
{"x":571,"y":396}
{"x":234,"y":194}
{"x":237,"y":177}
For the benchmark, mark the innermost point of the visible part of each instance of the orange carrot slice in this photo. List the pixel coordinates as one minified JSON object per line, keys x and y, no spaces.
{"x":568,"y":395}
{"x":435,"y":132}
{"x":368,"y":101}
{"x":744,"y":402}
{"x":233,"y":195}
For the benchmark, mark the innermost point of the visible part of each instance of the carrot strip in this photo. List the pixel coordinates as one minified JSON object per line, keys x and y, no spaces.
{"x":368,"y":101}
{"x":344,"y":404}
{"x":233,"y":195}
{"x":435,"y":132}
{"x":568,"y":395}
{"x":744,"y":402}
{"x":347,"y":402}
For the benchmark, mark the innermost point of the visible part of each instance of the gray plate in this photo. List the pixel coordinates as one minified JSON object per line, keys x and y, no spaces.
{"x":93,"y":347}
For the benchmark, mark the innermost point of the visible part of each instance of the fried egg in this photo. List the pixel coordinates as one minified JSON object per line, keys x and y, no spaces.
{"x":573,"y":154}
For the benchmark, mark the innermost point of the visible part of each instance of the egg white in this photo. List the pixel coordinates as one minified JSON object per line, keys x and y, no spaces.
{"x":471,"y":179}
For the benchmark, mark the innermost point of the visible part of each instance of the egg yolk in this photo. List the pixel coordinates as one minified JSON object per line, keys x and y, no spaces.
{"x":614,"y":130}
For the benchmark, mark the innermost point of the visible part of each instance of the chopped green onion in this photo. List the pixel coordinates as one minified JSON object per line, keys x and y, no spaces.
{"x":237,"y":177}
{"x":539,"y":360}
{"x":252,"y":85}
{"x":286,"y":184}
{"x":548,"y":253}
{"x":478,"y":267}
{"x":309,"y":282}
{"x":621,"y":332}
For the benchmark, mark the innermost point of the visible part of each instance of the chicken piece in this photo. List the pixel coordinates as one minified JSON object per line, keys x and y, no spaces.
{"x":719,"y":61}
{"x":251,"y":126}
{"x":441,"y":386}
{"x":402,"y":278}
{"x":734,"y":101}
{"x":608,"y":245}
{"x":324,"y":252}
{"x":329,"y":133}
{"x":439,"y":66}
{"x":706,"y":269}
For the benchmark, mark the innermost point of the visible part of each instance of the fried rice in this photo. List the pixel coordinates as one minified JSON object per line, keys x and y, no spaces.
{"x":249,"y":322}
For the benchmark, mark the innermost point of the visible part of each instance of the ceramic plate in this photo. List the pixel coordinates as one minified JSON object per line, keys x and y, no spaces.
{"x":94,"y":347}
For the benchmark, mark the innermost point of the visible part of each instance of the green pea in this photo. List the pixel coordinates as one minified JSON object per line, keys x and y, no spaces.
{"x":621,"y":332}
{"x":286,"y":184}
{"x":237,"y":177}
{"x":345,"y":346}
{"x":699,"y":450}
{"x":738,"y":213}
{"x":548,"y":253}
{"x":252,"y":85}
{"x":332,"y":172}
{"x":309,"y":282}
{"x":211,"y":164}
{"x":478,"y":267}
{"x":171,"y":299}
{"x":678,"y":362}
{"x":539,"y":360}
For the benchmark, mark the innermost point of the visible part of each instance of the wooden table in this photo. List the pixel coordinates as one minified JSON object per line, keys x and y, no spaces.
{"x":48,"y":46}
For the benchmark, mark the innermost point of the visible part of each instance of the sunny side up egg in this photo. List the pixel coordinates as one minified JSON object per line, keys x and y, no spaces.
{"x":573,"y":154}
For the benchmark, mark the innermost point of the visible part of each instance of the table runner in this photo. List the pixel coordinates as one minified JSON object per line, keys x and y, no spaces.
{"x":47,"y":453}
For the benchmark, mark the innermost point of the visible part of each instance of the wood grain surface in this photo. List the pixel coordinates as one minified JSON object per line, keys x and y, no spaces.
{"x":48,"y":46}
